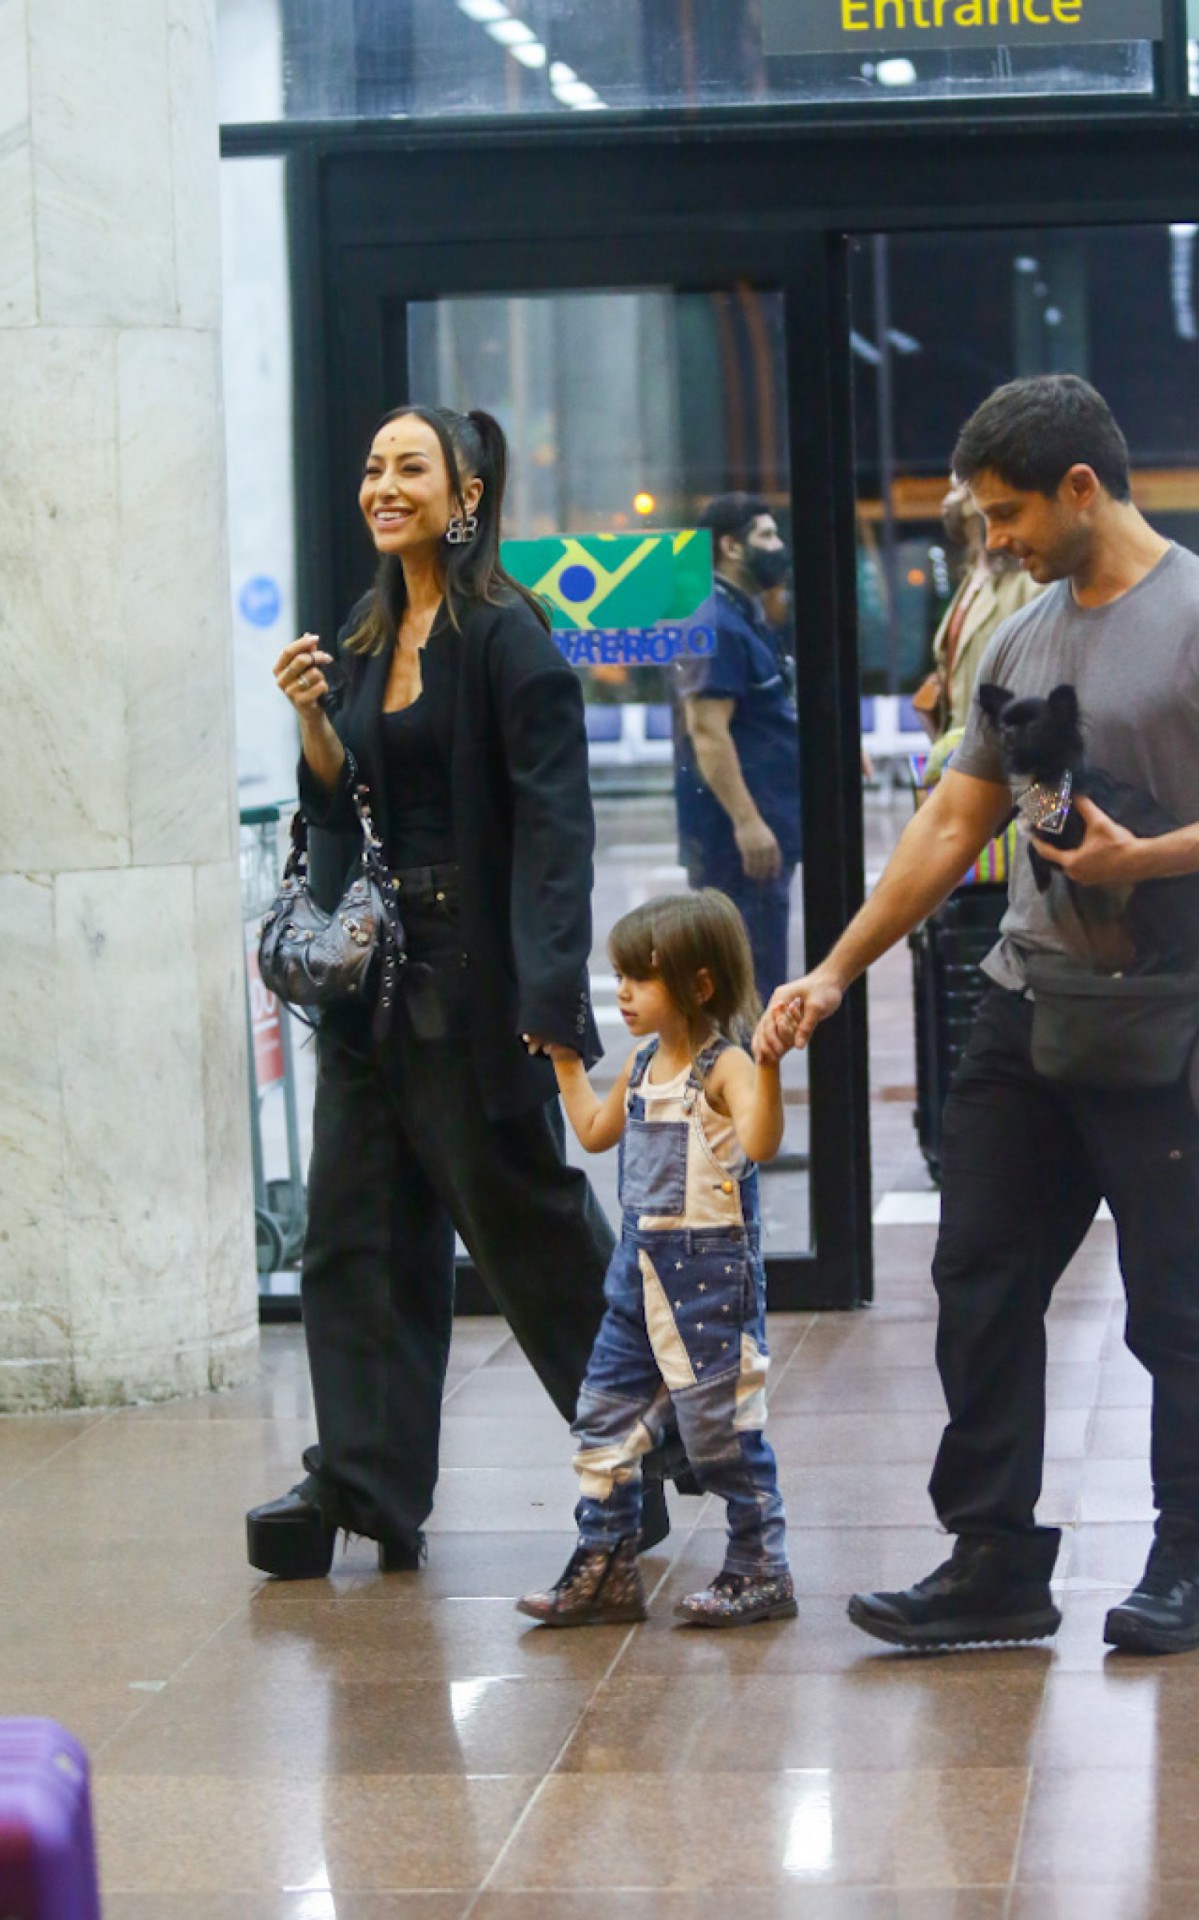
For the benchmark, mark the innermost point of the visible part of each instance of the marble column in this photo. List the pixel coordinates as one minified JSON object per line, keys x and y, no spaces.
{"x":126,"y":1221}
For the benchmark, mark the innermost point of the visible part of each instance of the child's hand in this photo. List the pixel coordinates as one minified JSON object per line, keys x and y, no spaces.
{"x":786,"y":1021}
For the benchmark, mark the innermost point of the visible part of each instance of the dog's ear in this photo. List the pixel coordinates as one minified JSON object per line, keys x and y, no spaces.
{"x":1063,"y":705}
{"x":994,"y":700}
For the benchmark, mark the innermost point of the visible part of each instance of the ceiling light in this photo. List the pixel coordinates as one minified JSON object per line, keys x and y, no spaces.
{"x":560,"y":74}
{"x":483,"y":10}
{"x":530,"y":54}
{"x":576,"y":93}
{"x":510,"y":33}
{"x":895,"y":73}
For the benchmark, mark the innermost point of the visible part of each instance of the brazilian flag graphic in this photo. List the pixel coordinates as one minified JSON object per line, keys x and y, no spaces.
{"x":598,"y":582}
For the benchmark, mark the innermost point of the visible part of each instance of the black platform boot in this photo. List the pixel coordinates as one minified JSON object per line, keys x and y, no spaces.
{"x":1161,"y":1614}
{"x":292,"y":1539}
{"x":995,"y":1588}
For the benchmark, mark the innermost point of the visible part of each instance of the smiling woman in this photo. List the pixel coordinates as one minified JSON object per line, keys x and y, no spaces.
{"x":460,"y":715}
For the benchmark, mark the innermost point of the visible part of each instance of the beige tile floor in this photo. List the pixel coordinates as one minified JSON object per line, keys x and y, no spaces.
{"x":383,"y":1748}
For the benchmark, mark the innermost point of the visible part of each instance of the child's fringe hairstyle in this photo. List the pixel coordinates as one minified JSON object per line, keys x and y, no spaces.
{"x":672,"y":940}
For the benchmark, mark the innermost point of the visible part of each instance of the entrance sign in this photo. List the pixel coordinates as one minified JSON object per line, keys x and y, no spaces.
{"x":619,"y":599}
{"x":905,"y":26}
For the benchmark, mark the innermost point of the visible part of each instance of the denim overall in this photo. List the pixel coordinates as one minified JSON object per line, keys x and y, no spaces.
{"x":683,"y":1341}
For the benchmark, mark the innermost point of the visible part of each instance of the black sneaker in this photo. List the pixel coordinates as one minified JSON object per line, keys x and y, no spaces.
{"x":995,"y":1588}
{"x":1161,"y":1614}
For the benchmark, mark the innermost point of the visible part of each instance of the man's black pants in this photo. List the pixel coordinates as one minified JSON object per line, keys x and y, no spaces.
{"x":1025,"y":1162}
{"x":402,"y":1154}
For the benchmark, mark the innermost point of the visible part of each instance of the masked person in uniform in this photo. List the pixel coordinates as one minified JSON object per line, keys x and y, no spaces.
{"x":737,"y":745}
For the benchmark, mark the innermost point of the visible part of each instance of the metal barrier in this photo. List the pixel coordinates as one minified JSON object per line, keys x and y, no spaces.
{"x":280,"y":1204}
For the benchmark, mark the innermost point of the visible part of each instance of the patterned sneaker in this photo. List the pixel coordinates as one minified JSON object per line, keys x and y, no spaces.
{"x":598,"y":1588}
{"x":738,"y":1599}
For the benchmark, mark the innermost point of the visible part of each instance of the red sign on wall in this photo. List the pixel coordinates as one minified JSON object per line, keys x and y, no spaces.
{"x":266,"y":1021}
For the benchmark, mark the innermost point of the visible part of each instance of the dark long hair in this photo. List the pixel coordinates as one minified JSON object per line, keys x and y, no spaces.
{"x":474,"y":448}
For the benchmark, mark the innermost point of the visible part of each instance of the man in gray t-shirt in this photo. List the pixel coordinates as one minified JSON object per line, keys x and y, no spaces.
{"x":1134,"y":664}
{"x":1026,"y":1160}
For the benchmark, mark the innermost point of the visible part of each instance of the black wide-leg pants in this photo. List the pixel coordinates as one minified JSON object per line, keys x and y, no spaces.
{"x":1025,"y":1163}
{"x":403,"y":1154}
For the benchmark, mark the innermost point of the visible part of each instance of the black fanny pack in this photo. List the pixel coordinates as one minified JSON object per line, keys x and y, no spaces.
{"x":1122,"y":1030}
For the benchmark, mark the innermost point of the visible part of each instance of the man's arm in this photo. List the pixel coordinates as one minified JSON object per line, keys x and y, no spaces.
{"x":937,"y":846}
{"x":708,"y":722}
{"x":1110,"y":856}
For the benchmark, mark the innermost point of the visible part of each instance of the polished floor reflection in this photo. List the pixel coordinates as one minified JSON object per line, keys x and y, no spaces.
{"x":382,"y":1748}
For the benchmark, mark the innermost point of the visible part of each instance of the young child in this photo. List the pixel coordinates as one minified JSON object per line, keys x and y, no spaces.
{"x":683,"y":1339}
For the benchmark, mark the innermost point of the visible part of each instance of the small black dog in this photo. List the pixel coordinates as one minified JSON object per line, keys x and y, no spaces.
{"x":1150,"y":928}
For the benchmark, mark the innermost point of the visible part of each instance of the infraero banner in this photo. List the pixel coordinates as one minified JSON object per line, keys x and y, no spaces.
{"x":617,"y":599}
{"x":904,"y":26}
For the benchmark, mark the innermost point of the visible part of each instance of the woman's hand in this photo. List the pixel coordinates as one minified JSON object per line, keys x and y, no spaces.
{"x":535,"y":1044}
{"x":298,"y":674}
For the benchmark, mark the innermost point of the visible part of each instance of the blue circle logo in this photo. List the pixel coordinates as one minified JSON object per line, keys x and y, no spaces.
{"x":260,"y":601}
{"x":576,"y":583}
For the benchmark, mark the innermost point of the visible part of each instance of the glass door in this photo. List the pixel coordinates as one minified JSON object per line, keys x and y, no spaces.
{"x":634,"y":418}
{"x":643,"y":382}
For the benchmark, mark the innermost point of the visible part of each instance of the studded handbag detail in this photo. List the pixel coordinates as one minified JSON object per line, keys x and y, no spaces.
{"x":312,"y":959}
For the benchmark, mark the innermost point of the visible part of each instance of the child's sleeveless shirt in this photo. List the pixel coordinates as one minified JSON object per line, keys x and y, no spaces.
{"x":680,"y":1162}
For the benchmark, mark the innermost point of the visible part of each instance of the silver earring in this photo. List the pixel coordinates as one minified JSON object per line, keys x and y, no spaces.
{"x":461,"y":530}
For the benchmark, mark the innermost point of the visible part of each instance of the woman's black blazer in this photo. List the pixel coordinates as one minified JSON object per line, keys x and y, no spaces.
{"x":524,"y":832}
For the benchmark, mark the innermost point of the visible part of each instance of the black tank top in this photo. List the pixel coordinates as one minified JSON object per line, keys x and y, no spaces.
{"x":419,"y":812}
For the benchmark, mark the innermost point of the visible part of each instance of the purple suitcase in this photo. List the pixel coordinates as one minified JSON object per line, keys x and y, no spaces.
{"x":47,"y":1851}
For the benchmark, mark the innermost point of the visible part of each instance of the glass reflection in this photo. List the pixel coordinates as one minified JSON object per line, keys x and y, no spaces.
{"x":326,"y":59}
{"x":808,"y":1849}
{"x":626,"y":414}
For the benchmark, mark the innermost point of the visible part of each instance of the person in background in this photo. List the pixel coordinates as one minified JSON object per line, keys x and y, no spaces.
{"x":737,"y":747}
{"x":992,"y":586}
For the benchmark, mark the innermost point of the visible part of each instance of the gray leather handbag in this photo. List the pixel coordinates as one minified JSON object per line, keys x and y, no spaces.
{"x":312,"y":959}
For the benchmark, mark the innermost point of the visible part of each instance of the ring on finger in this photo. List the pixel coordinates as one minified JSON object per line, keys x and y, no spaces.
{"x":303,"y":680}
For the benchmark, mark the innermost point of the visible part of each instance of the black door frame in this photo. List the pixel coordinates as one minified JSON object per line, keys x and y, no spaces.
{"x":658,"y":202}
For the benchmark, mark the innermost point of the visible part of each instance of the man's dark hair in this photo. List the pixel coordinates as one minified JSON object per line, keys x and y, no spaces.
{"x":732,"y":514}
{"x":1030,"y":433}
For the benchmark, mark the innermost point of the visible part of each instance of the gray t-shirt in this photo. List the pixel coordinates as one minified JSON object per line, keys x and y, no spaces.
{"x":1134,"y":664}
